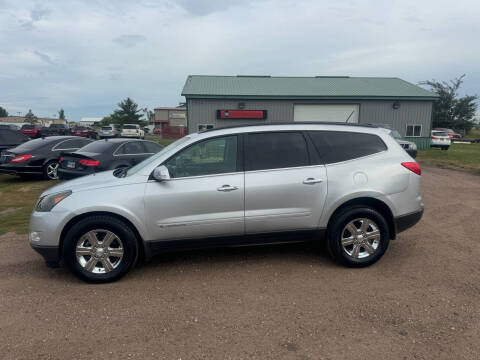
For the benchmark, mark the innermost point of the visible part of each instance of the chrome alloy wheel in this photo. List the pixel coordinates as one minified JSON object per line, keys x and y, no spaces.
{"x":52,"y":169}
{"x":360,"y":238}
{"x":99,"y":251}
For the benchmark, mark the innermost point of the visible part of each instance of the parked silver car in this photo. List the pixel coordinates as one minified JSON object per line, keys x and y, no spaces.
{"x":353,"y":186}
{"x":110,"y":131}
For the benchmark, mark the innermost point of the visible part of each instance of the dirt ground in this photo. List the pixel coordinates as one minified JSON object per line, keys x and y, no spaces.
{"x":421,"y":301}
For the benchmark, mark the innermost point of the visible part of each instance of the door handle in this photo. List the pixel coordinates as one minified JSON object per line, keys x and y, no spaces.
{"x":311,"y":181}
{"x":227,"y":188}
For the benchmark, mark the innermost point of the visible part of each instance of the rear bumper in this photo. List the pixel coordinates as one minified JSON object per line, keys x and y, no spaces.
{"x":18,"y":170}
{"x":405,"y":222}
{"x":68,"y":174}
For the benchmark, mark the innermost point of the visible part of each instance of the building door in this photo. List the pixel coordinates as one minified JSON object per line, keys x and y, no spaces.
{"x":344,"y":113}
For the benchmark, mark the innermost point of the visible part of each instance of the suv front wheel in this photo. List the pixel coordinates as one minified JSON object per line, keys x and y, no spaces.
{"x":100,"y":249}
{"x":358,"y":236}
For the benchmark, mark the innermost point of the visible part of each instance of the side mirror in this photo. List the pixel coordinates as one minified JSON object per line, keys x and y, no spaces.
{"x":161,"y":173}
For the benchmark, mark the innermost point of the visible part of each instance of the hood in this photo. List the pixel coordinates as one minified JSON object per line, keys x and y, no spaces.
{"x":104,"y":179}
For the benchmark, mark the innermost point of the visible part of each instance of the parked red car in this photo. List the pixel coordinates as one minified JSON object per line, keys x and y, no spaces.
{"x":451,"y":134}
{"x":84,"y":131}
{"x":32,"y":131}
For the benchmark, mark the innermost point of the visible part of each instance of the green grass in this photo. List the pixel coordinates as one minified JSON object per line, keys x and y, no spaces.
{"x":458,"y":156}
{"x":18,"y":197}
{"x":159,"y":140}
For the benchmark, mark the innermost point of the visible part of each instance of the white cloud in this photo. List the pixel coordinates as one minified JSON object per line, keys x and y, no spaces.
{"x":86,"y":56}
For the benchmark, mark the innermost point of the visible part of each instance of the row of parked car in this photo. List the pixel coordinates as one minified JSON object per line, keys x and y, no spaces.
{"x":35,"y":131}
{"x":67,"y":157}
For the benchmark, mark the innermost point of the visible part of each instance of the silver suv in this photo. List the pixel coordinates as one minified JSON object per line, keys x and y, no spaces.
{"x":109,"y":131}
{"x":353,"y":186}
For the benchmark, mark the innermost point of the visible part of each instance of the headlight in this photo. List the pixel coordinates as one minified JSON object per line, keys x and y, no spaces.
{"x":48,"y":202}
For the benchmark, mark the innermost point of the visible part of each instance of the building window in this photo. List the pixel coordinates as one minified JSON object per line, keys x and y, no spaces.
{"x":414,"y":130}
{"x":203,"y":127}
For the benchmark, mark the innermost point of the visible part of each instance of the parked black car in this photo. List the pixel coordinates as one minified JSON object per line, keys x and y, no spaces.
{"x":57,"y":129}
{"x":39,"y":156}
{"x":11,"y":138}
{"x":104,"y":155}
{"x":10,"y":127}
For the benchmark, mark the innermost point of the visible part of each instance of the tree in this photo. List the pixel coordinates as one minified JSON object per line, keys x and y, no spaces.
{"x":3,"y":112}
{"x":451,"y":110}
{"x":30,"y":117}
{"x":61,"y":114}
{"x":127,"y":114}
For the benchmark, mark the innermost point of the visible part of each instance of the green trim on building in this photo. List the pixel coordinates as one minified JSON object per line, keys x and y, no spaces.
{"x":423,"y":143}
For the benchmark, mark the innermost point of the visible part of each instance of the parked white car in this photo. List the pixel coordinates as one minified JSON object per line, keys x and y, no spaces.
{"x":440,"y":139}
{"x":133,"y":130}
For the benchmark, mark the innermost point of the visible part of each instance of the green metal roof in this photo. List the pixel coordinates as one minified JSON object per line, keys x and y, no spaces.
{"x":319,"y":87}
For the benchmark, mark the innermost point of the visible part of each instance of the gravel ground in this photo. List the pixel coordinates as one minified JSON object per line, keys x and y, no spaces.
{"x":421,"y":301}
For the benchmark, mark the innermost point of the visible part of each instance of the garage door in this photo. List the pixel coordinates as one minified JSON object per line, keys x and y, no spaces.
{"x":333,"y":113}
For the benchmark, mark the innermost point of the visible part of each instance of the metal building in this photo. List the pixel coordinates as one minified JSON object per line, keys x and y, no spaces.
{"x":215,"y":101}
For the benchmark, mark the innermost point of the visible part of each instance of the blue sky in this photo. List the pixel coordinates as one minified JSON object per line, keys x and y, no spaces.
{"x":86,"y":56}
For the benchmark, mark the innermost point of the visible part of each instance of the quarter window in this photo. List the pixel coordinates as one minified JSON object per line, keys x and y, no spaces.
{"x":337,"y":146}
{"x":131,"y":148}
{"x":213,"y":156}
{"x":276,"y":150}
{"x":414,"y":130}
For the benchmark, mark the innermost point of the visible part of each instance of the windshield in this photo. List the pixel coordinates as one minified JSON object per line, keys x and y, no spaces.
{"x":97,"y":146}
{"x":439,"y":133}
{"x":106,"y":128}
{"x":28,"y":127}
{"x":33,"y":145}
{"x":395,"y":134}
{"x":152,"y":158}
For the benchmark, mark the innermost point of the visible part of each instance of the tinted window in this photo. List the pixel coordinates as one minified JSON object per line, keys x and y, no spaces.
{"x":214,"y":156}
{"x":152,"y":147}
{"x":98,"y":146}
{"x":131,"y":148}
{"x":129,"y":126}
{"x":72,"y":144}
{"x":337,"y":146}
{"x":35,"y":144}
{"x":276,"y":150}
{"x":28,"y":127}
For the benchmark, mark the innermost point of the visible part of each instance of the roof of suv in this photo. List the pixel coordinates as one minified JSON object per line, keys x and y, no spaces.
{"x":293,"y":125}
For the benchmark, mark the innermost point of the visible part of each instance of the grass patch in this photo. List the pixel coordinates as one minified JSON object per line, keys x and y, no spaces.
{"x":458,"y":156}
{"x":18,"y":197}
{"x":159,"y":140}
{"x":473,"y":134}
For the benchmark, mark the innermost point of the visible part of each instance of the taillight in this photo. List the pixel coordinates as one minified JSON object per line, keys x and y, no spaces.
{"x":413,"y":166}
{"x":21,"y":158}
{"x":60,"y":159}
{"x":86,"y":162}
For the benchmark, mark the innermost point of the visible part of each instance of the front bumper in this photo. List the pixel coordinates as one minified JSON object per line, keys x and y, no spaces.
{"x":405,"y":222}
{"x":18,"y":170}
{"x":51,"y":254}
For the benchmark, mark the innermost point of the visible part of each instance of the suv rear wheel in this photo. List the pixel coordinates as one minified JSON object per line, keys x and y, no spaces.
{"x":100,"y":249}
{"x":358,"y":236}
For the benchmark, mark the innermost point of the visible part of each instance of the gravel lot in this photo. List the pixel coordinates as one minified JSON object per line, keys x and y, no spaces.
{"x":421,"y":301}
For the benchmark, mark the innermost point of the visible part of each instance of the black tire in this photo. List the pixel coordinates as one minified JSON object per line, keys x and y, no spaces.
{"x":445,"y":147}
{"x":336,"y":230}
{"x":107,"y":223}
{"x":47,"y":173}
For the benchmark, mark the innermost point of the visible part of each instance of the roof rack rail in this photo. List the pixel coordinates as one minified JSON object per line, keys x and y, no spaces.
{"x":295,"y":123}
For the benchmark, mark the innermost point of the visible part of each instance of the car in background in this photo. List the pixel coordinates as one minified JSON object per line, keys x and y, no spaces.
{"x":108,"y":154}
{"x":110,"y":131}
{"x":58,"y":129}
{"x":408,"y":146}
{"x":33,"y":131}
{"x":10,"y":127}
{"x":440,"y":139}
{"x":133,"y":130}
{"x":39,"y":156}
{"x":11,"y":138}
{"x":451,"y":133}
{"x":84,"y":131}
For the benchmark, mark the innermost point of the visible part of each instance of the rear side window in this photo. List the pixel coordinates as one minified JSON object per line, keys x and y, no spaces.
{"x":131,"y":148}
{"x":275,"y":150}
{"x":151,"y":147}
{"x":337,"y":146}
